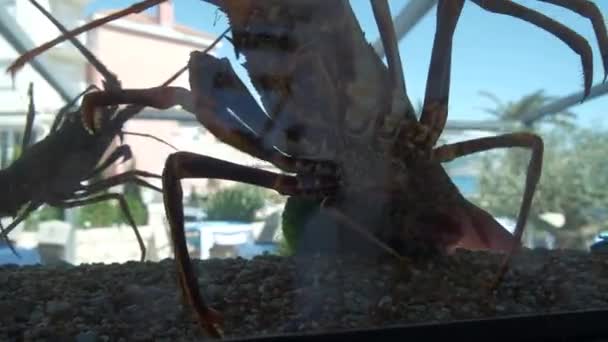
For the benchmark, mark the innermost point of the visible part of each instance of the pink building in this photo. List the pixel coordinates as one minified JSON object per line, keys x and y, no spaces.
{"x":143,"y":51}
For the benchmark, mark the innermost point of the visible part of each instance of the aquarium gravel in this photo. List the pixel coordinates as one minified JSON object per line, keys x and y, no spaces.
{"x":273,"y":294}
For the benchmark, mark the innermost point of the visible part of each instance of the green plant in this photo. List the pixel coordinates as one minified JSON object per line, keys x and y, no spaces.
{"x":100,"y":214}
{"x":45,"y":213}
{"x":296,"y":213}
{"x":283,"y":248}
{"x":50,"y":213}
{"x":108,"y":213}
{"x":136,"y":205}
{"x":236,"y":203}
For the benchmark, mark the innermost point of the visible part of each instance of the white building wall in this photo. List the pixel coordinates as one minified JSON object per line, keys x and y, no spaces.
{"x":63,"y":61}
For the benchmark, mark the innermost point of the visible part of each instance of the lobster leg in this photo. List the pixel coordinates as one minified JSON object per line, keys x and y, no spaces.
{"x":390,"y":43}
{"x":25,"y":213}
{"x":8,"y":242}
{"x":590,"y":11}
{"x":128,"y":176}
{"x":123,"y":151}
{"x":29,"y":121}
{"x":106,"y":197}
{"x":386,"y":28}
{"x":64,"y":110}
{"x":181,"y":165}
{"x":208,"y":111}
{"x":526,"y":140}
{"x":435,"y":108}
{"x":145,"y":135}
{"x":434,"y":114}
{"x":568,"y":36}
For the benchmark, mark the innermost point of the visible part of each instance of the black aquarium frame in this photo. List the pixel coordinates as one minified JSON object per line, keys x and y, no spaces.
{"x":587,"y":325}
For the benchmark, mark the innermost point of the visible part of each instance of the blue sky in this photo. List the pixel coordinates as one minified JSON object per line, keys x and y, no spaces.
{"x":491,"y":52}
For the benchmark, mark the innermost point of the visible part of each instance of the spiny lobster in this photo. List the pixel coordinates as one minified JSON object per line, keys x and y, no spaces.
{"x":344,"y":122}
{"x":52,"y":170}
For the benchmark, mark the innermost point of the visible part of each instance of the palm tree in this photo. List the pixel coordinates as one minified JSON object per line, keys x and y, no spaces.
{"x":516,"y":110}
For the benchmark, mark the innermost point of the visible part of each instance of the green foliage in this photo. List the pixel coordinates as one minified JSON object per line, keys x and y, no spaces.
{"x":136,"y":205}
{"x":108,"y":213}
{"x":100,"y":214}
{"x":46,"y":213}
{"x":236,"y":203}
{"x":296,"y":212}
